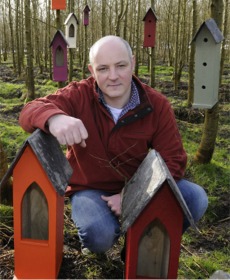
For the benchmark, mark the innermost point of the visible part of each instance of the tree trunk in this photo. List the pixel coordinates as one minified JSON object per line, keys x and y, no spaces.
{"x":29,"y":69}
{"x":137,"y":39}
{"x":224,"y":43}
{"x":152,"y":58}
{"x":6,"y":194}
{"x":17,"y":26}
{"x":207,"y":144}
{"x":206,"y":149}
{"x":12,"y":35}
{"x":103,"y":17}
{"x":71,"y":51}
{"x":192,"y":56}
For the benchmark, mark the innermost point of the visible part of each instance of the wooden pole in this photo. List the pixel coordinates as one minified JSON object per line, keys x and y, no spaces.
{"x":152,"y":58}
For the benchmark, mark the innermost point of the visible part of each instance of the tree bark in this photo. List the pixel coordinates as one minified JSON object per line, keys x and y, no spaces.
{"x":12,"y":35}
{"x":137,"y":43}
{"x":152,"y":57}
{"x":225,"y":33}
{"x":29,"y":58}
{"x":6,"y":193}
{"x":192,"y":56}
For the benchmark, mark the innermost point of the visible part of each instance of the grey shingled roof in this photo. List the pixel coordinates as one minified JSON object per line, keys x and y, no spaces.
{"x":213,"y":29}
{"x":141,"y":189}
{"x":51,"y":157}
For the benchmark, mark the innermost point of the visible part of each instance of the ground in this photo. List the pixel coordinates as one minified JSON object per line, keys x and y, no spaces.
{"x":213,"y":235}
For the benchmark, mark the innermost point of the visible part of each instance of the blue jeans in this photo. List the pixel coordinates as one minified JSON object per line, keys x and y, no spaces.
{"x":98,"y":228}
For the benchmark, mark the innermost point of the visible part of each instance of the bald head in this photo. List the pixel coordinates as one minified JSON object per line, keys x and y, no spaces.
{"x":111,"y":40}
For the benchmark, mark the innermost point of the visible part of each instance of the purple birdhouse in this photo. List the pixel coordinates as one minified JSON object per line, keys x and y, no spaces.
{"x":59,"y":51}
{"x":86,"y":15}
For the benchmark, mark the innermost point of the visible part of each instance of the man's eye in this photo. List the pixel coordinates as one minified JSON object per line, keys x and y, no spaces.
{"x":121,"y":65}
{"x":102,"y":69}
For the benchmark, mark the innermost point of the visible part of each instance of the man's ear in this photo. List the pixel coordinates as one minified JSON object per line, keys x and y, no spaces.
{"x":133,"y":62}
{"x":90,"y":67}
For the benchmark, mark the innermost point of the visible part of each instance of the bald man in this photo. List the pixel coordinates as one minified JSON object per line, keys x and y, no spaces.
{"x":109,"y":122}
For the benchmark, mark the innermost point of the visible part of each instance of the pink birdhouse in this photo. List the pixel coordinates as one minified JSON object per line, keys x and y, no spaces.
{"x":86,"y":15}
{"x":59,"y":51}
{"x":58,"y":4}
{"x":149,"y":28}
{"x":153,"y":210}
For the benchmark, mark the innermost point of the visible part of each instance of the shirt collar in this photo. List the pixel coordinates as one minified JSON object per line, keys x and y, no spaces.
{"x":134,"y":100}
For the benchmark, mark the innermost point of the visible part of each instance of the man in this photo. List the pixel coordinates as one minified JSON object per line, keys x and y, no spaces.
{"x":109,"y":122}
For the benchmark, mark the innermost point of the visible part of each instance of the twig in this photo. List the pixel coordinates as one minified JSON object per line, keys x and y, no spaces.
{"x":224,"y":220}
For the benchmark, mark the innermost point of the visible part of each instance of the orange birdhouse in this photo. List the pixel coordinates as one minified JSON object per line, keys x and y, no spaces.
{"x":58,"y":4}
{"x":150,"y":20}
{"x":152,"y":218}
{"x":40,"y":176}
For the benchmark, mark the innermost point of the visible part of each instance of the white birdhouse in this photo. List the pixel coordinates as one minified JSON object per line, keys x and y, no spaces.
{"x":207,"y":65}
{"x":71,"y":30}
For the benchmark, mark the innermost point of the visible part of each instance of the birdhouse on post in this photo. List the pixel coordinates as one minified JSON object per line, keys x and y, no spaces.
{"x":150,"y":20}
{"x":153,"y":210}
{"x":71,"y":30}
{"x":40,"y":177}
{"x":58,"y":5}
{"x":86,"y":15}
{"x":207,"y":42}
{"x":59,"y":52}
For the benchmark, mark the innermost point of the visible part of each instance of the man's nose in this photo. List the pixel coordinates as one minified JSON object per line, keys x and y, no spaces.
{"x":113,"y":74}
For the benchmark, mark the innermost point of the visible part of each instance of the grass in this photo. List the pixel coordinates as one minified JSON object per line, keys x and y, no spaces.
{"x":202,"y":253}
{"x":202,"y":265}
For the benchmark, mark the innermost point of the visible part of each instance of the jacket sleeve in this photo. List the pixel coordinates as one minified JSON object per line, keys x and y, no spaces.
{"x":36,"y":113}
{"x":167,"y":140}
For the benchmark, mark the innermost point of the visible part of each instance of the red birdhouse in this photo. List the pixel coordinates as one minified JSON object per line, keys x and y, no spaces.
{"x":152,"y":218}
{"x":59,"y":51}
{"x":86,"y":15}
{"x":40,"y":176}
{"x":58,"y":4}
{"x":150,"y":20}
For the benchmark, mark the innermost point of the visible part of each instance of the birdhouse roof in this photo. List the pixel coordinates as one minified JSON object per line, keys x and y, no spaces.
{"x":211,"y":25}
{"x":60,"y":35}
{"x":144,"y":185}
{"x":151,"y":12}
{"x":71,"y":15}
{"x":86,"y":9}
{"x":51,"y":157}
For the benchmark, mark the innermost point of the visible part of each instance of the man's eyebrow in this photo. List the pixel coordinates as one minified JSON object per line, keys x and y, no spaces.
{"x":102,"y":65}
{"x":122,"y":61}
{"x":106,"y":65}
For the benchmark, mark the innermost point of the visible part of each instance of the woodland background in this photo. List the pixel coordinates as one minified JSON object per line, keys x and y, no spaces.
{"x":26,"y":31}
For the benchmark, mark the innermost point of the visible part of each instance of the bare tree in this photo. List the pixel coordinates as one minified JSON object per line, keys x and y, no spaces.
{"x":29,"y":53}
{"x":6,"y":195}
{"x":12,"y":34}
{"x":225,"y":33}
{"x":192,"y":55}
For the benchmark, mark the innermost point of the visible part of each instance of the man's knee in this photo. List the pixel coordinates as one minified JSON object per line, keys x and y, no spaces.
{"x":99,"y":240}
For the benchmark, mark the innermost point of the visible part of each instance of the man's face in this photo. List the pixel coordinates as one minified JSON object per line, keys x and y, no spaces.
{"x":112,"y":69}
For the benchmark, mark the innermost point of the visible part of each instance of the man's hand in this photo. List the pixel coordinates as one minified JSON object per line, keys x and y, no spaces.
{"x":114,"y":203}
{"x":68,"y":130}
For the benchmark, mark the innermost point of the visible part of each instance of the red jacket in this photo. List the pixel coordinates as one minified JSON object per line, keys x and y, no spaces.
{"x":113,"y":152}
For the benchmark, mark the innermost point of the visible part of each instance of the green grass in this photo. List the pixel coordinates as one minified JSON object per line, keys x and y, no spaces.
{"x":202,"y":265}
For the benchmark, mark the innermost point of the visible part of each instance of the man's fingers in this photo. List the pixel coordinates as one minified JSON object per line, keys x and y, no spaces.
{"x":68,"y":130}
